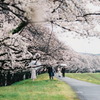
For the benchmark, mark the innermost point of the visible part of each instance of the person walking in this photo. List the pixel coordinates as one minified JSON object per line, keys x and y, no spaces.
{"x":32,"y":64}
{"x":50,"y":72}
{"x":59,"y":72}
{"x":63,"y":71}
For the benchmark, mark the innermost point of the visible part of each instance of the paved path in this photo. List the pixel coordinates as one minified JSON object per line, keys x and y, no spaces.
{"x":84,"y":90}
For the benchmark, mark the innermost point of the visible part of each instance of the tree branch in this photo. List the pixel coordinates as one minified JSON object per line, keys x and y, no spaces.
{"x":91,"y":14}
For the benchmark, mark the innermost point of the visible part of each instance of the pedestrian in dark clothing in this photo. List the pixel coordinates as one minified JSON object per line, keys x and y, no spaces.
{"x":50,"y":72}
{"x":63,"y":71}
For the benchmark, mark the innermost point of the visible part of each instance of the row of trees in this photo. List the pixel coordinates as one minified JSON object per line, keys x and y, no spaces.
{"x":27,"y":27}
{"x":25,"y":39}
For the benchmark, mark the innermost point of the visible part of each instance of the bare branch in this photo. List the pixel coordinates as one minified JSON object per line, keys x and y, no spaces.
{"x":91,"y":14}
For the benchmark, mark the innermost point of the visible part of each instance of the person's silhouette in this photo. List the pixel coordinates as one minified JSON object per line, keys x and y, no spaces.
{"x":50,"y":72}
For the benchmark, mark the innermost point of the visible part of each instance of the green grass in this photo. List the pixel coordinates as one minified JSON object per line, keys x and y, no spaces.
{"x":88,"y":77}
{"x":40,"y":89}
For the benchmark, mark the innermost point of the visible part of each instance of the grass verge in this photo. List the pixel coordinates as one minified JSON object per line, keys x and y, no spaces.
{"x":88,"y":77}
{"x":40,"y":89}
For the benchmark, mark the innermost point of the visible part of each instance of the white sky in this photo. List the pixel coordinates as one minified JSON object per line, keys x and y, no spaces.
{"x":79,"y":44}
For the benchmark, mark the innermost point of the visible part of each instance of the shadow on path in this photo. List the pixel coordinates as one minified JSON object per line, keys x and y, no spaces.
{"x":84,"y":90}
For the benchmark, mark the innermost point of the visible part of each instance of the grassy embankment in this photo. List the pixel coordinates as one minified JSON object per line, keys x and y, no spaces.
{"x":88,"y":77}
{"x":40,"y":89}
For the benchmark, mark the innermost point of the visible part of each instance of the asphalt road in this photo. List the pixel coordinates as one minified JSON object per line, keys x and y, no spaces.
{"x":84,"y":90}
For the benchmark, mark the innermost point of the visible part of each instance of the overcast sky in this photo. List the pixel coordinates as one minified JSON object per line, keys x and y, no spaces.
{"x":80,"y":44}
